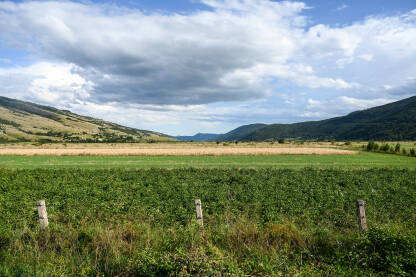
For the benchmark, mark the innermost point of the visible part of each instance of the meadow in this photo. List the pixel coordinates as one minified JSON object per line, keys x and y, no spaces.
{"x":264,"y":215}
{"x":363,"y":160}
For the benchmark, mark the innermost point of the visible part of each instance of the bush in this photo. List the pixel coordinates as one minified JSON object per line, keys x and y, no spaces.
{"x":372,"y":146}
{"x":404,"y":151}
{"x":397,"y":148}
{"x":385,"y":148}
{"x":412,"y":152}
{"x":385,"y":250}
{"x":282,"y":140}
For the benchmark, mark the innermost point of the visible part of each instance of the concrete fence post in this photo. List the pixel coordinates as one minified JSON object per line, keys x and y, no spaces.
{"x":362,"y":220}
{"x":43,"y":215}
{"x":198,"y":207}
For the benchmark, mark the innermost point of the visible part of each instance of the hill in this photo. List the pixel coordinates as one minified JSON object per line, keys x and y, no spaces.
{"x":25,"y":121}
{"x":240,"y":133}
{"x":197,"y":137}
{"x":394,"y":121}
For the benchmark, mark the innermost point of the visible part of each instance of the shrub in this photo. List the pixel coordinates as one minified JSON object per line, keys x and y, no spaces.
{"x":372,"y":146}
{"x":412,"y":152}
{"x":385,"y":148}
{"x":386,"y":250}
{"x":282,"y":140}
{"x":404,"y":151}
{"x":397,"y":148}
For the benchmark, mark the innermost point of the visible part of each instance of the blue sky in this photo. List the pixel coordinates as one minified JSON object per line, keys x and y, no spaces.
{"x":182,"y":67}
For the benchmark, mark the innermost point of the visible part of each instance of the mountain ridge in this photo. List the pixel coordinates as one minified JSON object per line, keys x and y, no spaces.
{"x":392,"y":121}
{"x":26,"y":121}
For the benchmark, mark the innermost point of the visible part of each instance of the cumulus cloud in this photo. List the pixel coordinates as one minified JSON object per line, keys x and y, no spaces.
{"x":171,"y":67}
{"x":227,"y":54}
{"x":340,"y":106}
{"x":45,"y":82}
{"x":404,"y":89}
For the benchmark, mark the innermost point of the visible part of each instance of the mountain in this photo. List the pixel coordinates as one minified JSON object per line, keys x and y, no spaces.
{"x":240,"y":133}
{"x":197,"y":137}
{"x":25,"y":121}
{"x":394,"y":121}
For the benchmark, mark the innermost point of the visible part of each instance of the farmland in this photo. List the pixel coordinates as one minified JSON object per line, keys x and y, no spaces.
{"x":264,"y":215}
{"x":363,"y":160}
{"x":256,"y":222}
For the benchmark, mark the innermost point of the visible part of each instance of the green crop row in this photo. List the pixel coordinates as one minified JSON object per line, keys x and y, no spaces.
{"x":256,"y":222}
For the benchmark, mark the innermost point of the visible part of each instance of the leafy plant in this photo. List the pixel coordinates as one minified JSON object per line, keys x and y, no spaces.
{"x":256,"y":222}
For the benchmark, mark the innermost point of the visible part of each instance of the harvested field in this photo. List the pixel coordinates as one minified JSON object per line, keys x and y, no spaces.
{"x":174,"y":151}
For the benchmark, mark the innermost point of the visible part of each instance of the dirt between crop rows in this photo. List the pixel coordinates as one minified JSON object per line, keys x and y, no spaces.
{"x":174,"y":152}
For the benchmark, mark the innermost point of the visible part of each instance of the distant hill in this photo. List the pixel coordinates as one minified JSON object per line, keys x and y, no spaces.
{"x":197,"y":137}
{"x":25,"y":121}
{"x":394,"y":121}
{"x":240,"y":133}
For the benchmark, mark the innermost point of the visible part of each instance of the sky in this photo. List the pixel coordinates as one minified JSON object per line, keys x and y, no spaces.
{"x":186,"y":66}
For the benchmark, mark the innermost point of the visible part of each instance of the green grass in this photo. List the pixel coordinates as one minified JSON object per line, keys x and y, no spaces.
{"x":263,"y":215}
{"x":363,"y":160}
{"x":262,"y":222}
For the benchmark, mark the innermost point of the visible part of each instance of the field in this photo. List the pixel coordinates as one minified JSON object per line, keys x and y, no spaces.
{"x":217,"y":151}
{"x":264,"y":215}
{"x":363,"y":160}
{"x":256,"y":222}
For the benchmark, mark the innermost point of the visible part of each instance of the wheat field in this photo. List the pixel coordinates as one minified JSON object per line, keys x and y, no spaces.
{"x":173,"y":151}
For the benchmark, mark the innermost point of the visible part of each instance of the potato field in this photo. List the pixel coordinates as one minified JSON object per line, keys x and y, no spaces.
{"x":257,"y":222}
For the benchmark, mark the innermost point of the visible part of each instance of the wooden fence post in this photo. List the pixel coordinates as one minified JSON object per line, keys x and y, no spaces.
{"x":362,"y":220}
{"x":43,"y":216}
{"x":198,"y":207}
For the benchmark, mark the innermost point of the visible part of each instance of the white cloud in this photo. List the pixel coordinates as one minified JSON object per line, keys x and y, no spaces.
{"x":228,"y":54}
{"x":168,"y":68}
{"x":342,"y":7}
{"x":308,"y":114}
{"x":47,"y":83}
{"x":313,"y":103}
{"x":360,"y":104}
{"x":340,"y":106}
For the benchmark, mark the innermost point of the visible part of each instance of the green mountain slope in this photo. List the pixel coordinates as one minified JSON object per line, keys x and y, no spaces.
{"x":394,"y":121}
{"x":25,"y":121}
{"x":240,"y":133}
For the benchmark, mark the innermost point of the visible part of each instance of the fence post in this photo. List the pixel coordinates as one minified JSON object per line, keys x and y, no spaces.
{"x":43,"y":216}
{"x":198,"y":207}
{"x":362,"y":220}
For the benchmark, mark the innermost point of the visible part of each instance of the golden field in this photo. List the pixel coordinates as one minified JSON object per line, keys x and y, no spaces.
{"x":170,"y":149}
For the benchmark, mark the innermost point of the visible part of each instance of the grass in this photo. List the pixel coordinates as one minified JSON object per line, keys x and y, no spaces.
{"x":264,"y":215}
{"x":264,"y":222}
{"x":363,"y":160}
